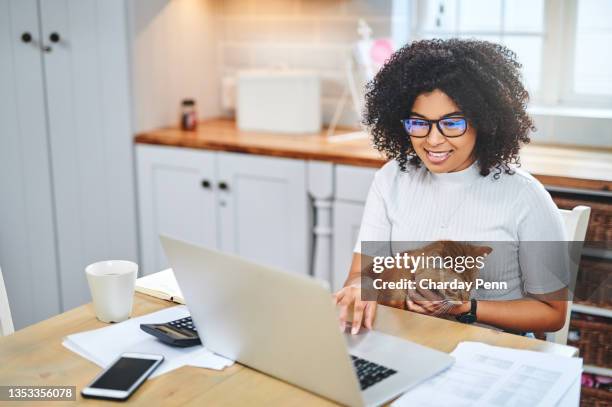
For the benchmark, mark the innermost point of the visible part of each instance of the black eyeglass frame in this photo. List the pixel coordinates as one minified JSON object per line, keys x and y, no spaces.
{"x":437,"y":123}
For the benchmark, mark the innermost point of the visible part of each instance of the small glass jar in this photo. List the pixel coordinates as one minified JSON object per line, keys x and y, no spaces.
{"x":189,"y":117}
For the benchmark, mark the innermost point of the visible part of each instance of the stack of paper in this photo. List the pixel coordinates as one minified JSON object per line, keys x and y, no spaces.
{"x":102,"y":346}
{"x":485,"y":375}
{"x":161,"y":285}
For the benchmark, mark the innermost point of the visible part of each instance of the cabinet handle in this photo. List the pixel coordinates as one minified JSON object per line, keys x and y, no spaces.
{"x":54,"y":37}
{"x":27,"y":38}
{"x":206,"y":184}
{"x":223,"y":186}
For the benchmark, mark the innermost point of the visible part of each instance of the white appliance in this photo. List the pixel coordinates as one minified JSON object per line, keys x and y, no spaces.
{"x":279,"y":101}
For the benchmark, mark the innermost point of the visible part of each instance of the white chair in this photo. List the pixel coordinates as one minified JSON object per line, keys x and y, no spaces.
{"x":576,"y":223}
{"x":6,"y":321}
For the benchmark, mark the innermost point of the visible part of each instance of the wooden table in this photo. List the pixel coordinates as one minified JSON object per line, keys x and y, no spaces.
{"x":35,"y":356}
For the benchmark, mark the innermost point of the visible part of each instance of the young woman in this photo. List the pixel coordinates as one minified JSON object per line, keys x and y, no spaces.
{"x":451,"y":116}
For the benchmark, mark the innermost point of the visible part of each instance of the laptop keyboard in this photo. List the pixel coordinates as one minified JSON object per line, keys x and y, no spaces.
{"x":370,"y":373}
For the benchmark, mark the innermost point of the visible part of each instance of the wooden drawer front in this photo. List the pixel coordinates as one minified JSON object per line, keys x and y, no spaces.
{"x":600,"y":223}
{"x":353,"y":183}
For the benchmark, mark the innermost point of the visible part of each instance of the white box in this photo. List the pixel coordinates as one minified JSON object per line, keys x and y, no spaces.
{"x":279,"y":101}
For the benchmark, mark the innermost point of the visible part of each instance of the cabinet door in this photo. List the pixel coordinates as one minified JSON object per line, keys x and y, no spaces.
{"x":352,"y":185}
{"x":27,"y":247}
{"x":86,"y":77}
{"x":347,"y":221}
{"x":265,"y":210}
{"x":176,"y":198}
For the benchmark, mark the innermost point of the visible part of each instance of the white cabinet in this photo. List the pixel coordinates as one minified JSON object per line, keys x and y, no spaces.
{"x":352,"y":185}
{"x":27,"y":247}
{"x":66,"y":177}
{"x":256,"y":207}
{"x":176,"y":198}
{"x":89,"y":127}
{"x":264,"y":210}
{"x":347,"y":221}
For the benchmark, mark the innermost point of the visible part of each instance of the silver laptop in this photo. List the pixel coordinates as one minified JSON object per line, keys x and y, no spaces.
{"x":286,"y":325}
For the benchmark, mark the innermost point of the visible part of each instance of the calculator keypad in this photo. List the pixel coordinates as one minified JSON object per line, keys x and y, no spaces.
{"x":184,"y":323}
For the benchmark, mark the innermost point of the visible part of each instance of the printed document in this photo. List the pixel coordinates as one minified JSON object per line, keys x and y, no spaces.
{"x":102,"y":346}
{"x":485,"y":375}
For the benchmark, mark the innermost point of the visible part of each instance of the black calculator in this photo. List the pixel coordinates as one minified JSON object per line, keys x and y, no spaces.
{"x":180,"y":333}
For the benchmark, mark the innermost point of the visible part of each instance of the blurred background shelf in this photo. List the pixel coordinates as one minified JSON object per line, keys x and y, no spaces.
{"x":591,"y":310}
{"x":604,"y":371}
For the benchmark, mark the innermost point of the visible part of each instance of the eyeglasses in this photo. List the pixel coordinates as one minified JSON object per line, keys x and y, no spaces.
{"x":448,"y":126}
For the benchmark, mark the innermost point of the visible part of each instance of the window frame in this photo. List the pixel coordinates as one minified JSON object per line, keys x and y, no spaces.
{"x":568,"y":96}
{"x":556,"y":82}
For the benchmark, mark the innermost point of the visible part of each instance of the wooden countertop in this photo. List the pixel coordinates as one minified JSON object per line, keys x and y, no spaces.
{"x":222,"y":134}
{"x":553,"y":166}
{"x":34,"y":356}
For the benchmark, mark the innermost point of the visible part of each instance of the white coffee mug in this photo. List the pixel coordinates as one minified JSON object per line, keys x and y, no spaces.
{"x":112,"y":288}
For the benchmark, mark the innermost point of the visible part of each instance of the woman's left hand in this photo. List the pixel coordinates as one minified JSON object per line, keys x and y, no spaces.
{"x":433,"y":308}
{"x":429,"y":302}
{"x":424,"y":301}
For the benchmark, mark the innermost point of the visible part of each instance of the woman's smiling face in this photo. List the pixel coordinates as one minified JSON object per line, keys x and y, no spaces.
{"x":438,"y":153}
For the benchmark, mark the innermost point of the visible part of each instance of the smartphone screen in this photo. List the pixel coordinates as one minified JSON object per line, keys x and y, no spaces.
{"x":122,"y":375}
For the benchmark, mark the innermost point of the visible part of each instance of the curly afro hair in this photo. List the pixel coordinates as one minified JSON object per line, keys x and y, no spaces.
{"x":481,"y":77}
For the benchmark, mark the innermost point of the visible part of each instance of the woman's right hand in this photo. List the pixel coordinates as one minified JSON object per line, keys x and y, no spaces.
{"x":364,"y":312}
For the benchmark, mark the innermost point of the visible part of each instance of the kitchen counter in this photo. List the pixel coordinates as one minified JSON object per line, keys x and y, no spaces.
{"x":223,"y":135}
{"x":562,"y":167}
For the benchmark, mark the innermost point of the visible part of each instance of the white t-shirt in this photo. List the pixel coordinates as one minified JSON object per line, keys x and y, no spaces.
{"x":420,"y":206}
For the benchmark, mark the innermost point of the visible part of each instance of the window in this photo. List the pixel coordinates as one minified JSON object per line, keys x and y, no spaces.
{"x":563,"y":45}
{"x":593,"y":49}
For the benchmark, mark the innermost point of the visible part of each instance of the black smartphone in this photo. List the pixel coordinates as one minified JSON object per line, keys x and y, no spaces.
{"x":123,"y":376}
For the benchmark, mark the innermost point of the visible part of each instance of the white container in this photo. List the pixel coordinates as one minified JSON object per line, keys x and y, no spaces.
{"x":279,"y":101}
{"x":112,"y":285}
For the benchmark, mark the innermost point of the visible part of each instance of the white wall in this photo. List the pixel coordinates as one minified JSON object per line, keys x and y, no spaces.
{"x":300,"y":34}
{"x":173,"y":58}
{"x":182,"y":48}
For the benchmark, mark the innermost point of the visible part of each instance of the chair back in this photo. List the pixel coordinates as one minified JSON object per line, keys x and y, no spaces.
{"x":576,"y":223}
{"x":6,"y":321}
